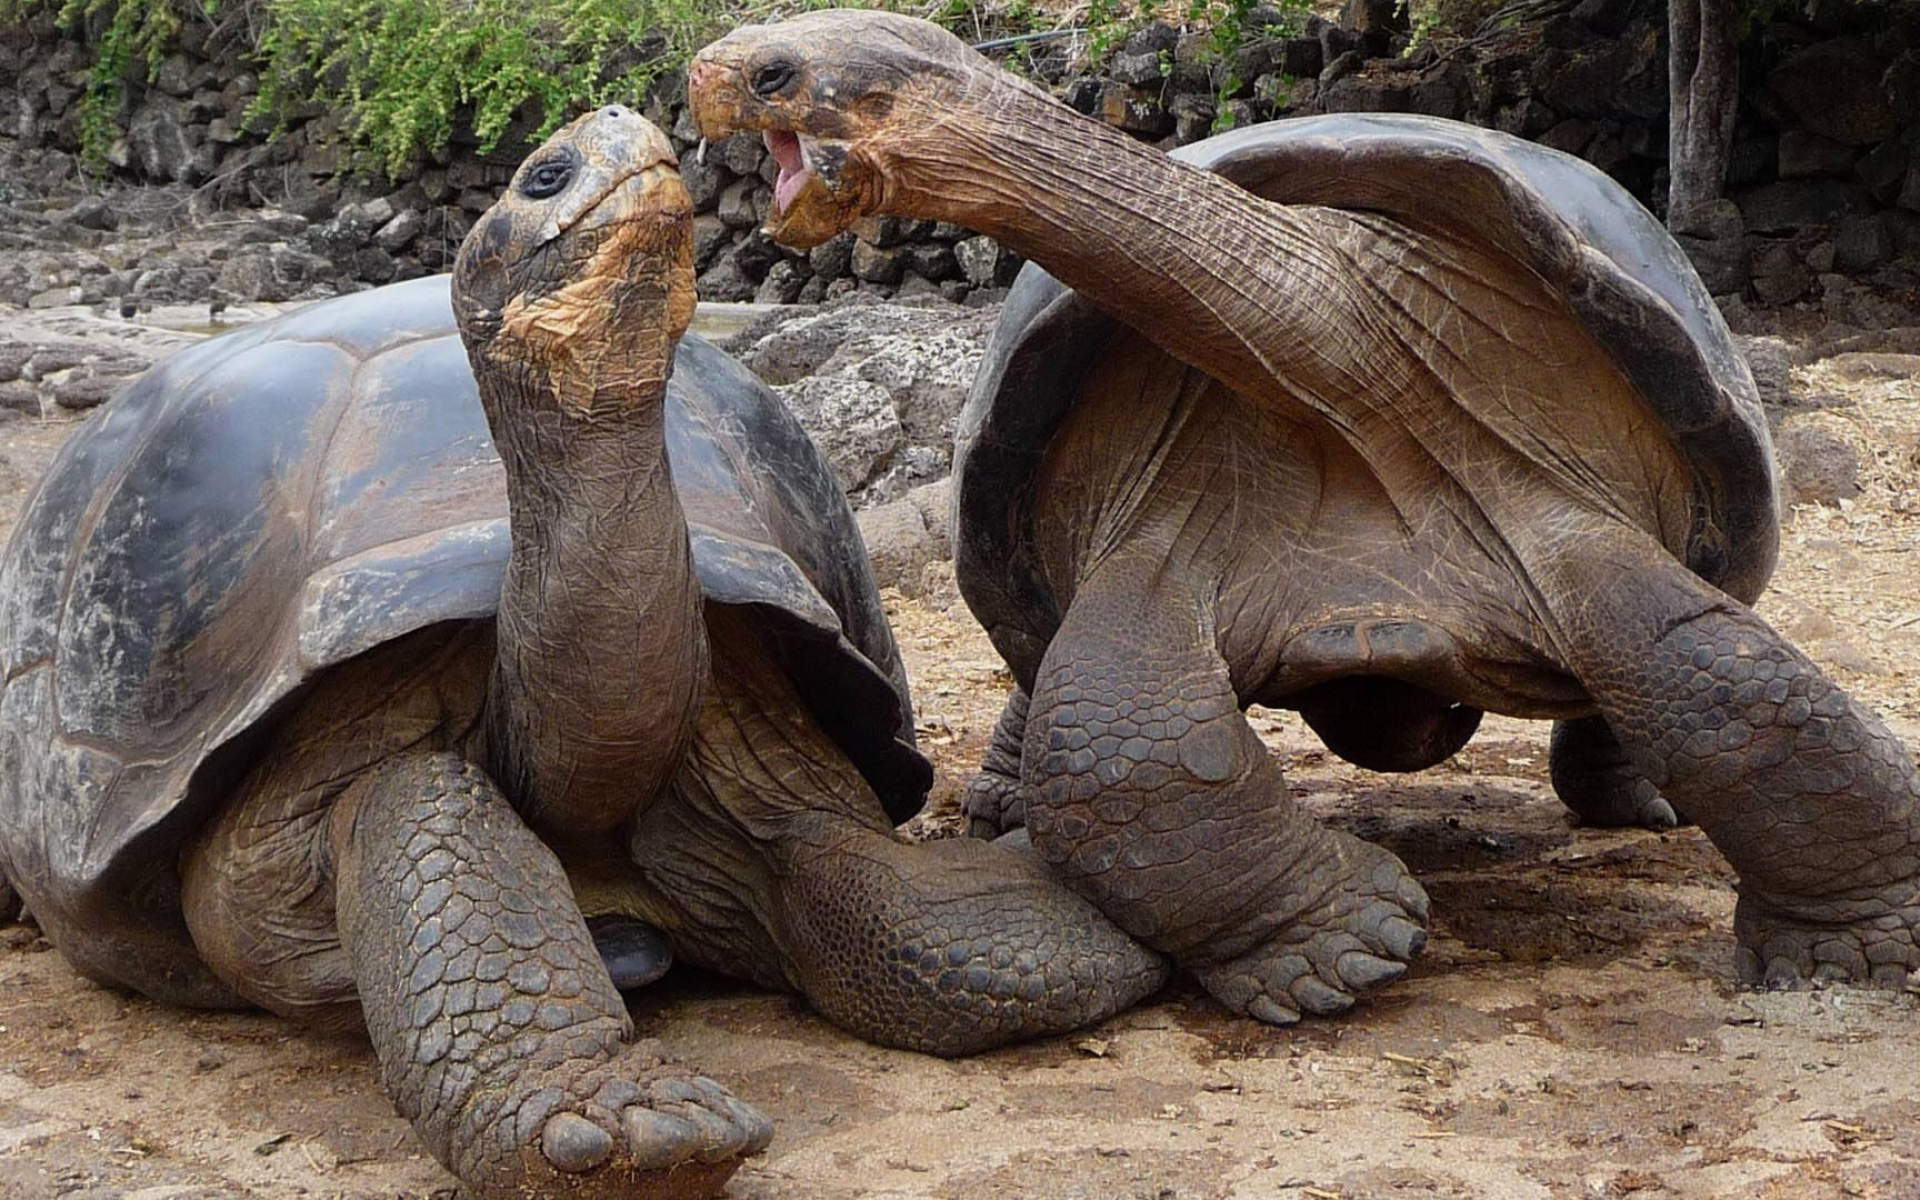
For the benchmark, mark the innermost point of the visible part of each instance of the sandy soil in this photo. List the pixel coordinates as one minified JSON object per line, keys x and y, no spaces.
{"x":1573,"y":1030}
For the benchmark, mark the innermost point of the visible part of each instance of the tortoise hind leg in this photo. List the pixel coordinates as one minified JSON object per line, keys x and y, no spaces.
{"x":1595,"y":778}
{"x":499,"y":1032}
{"x":9,"y":899}
{"x":1814,"y":803}
{"x":996,"y":800}
{"x":772,"y":860}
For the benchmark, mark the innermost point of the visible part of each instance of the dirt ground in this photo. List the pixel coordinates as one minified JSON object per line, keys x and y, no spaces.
{"x":1572,"y":1031}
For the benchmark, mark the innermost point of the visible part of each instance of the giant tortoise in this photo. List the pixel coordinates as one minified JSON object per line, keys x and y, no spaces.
{"x":1390,"y":420}
{"x":312,"y":704}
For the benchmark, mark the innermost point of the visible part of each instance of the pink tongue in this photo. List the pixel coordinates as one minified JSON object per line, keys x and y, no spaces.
{"x":785,"y":147}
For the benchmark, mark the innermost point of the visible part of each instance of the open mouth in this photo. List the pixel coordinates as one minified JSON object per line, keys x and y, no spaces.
{"x":790,"y":152}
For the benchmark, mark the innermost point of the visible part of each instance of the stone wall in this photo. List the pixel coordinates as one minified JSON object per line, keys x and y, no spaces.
{"x":1825,"y":183}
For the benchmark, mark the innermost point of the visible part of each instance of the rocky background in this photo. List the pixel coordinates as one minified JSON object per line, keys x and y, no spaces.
{"x":203,"y":205}
{"x":879,"y":336}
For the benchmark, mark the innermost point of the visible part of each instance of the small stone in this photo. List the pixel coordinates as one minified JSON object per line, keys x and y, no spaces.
{"x":1820,"y":465}
{"x":985,"y":262}
{"x":783,"y":283}
{"x":58,"y":297}
{"x":877,"y":264}
{"x":899,"y":544}
{"x":736,"y":206}
{"x":398,"y":233}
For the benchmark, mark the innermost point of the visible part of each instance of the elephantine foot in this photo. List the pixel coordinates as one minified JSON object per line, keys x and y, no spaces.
{"x":1873,"y":940}
{"x":994,"y":804}
{"x":1362,"y":932}
{"x":625,"y":1127}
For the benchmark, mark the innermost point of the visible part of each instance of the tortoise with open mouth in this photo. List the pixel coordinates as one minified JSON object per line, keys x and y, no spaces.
{"x":356,"y":661}
{"x":1385,"y":419}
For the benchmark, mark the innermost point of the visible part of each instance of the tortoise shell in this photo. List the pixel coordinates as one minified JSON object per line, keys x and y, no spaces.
{"x":260,"y":507}
{"x":1622,"y":276}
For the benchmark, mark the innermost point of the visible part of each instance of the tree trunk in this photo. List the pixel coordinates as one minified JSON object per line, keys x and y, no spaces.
{"x":1704,"y":76}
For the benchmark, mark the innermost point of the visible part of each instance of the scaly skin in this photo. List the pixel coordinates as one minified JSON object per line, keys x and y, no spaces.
{"x":1154,"y":798}
{"x":1810,"y":798}
{"x":996,"y":799}
{"x":1595,"y":778}
{"x":1505,"y":445}
{"x":499,"y":1033}
{"x":945,"y":947}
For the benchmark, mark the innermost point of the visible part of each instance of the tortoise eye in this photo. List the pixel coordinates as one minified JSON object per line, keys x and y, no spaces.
{"x":547,"y":179}
{"x":772,"y":78}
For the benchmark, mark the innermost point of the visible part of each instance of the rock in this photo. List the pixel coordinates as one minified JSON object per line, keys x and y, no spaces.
{"x":1365,"y":92}
{"x":1301,"y":58}
{"x":87,"y":387}
{"x":922,"y":358}
{"x":92,"y":212}
{"x":899,"y":544}
{"x":273,"y":273}
{"x":833,"y":258}
{"x":933,"y":262}
{"x":783,"y":283}
{"x":396,"y":235}
{"x":736,"y":206}
{"x":1805,"y":155}
{"x":1155,"y":37}
{"x":1138,"y":69}
{"x":710,"y":237}
{"x":164,"y":142}
{"x":19,"y":396}
{"x":374,"y":265}
{"x":986,"y":262}
{"x":1780,"y":273}
{"x":877,"y":264}
{"x":1795,"y":204}
{"x":725,"y":281}
{"x":1608,"y":17}
{"x":1861,"y":243}
{"x":1083,"y":95}
{"x":1135,"y":110}
{"x":1818,"y":464}
{"x":1834,"y":88}
{"x":1375,"y":21}
{"x":1192,"y":117}
{"x":1884,"y":170}
{"x":741,"y":153}
{"x":1901,"y":83}
{"x":704,"y":180}
{"x":852,"y":421}
{"x":756,"y":254}
{"x":1771,"y":361}
{"x":57,"y":297}
{"x":935,"y":502}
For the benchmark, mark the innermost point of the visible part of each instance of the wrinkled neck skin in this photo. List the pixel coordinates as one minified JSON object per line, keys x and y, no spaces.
{"x":1216,"y":276}
{"x":602,"y":652}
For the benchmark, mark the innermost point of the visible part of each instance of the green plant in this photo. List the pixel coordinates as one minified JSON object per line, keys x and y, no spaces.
{"x":403,"y":75}
{"x":1231,"y":26}
{"x":136,"y":37}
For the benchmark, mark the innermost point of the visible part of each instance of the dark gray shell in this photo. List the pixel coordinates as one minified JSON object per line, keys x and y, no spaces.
{"x":263,"y":506}
{"x":1621,"y":274}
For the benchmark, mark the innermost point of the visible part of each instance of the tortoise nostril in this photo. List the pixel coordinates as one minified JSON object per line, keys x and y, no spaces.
{"x":617,"y":110}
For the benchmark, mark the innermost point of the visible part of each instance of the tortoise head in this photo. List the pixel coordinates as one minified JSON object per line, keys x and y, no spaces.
{"x":583,"y":269}
{"x":848,"y":101}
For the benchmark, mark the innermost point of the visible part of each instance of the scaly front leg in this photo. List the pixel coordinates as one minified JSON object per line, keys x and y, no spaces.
{"x":499,"y":1033}
{"x":1150,"y":794}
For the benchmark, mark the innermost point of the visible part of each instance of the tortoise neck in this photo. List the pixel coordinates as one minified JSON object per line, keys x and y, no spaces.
{"x":1216,"y":276}
{"x":602,"y":649}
